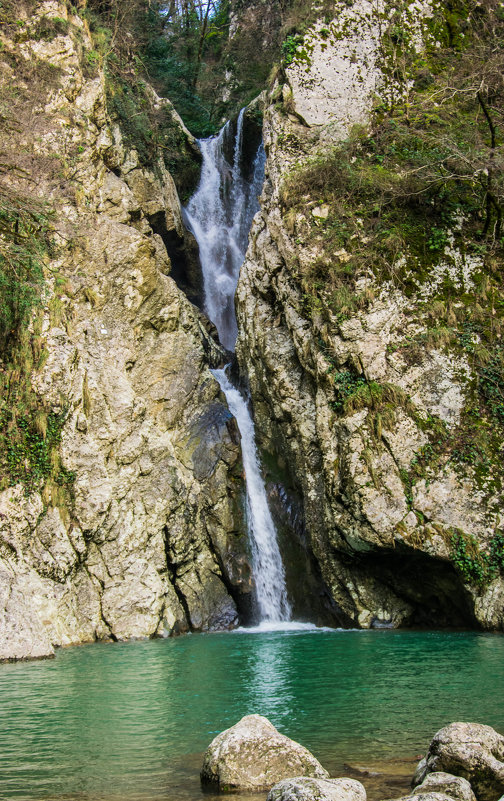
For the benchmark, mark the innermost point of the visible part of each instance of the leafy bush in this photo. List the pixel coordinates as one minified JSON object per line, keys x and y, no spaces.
{"x":290,"y":47}
{"x":476,"y":566}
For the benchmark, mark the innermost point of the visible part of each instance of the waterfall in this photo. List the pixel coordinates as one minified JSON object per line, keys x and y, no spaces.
{"x":267,"y":564}
{"x":220,"y":214}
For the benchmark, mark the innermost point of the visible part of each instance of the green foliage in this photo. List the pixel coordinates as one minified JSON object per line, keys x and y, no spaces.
{"x":290,"y":47}
{"x":170,"y":47}
{"x":29,"y":456}
{"x":30,"y":433}
{"x":23,"y":245}
{"x":476,"y":566}
{"x":491,"y":384}
{"x":346,"y":384}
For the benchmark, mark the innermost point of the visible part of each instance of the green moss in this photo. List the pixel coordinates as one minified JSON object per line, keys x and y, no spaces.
{"x":29,"y":433}
{"x":29,"y":456}
{"x":24,"y":243}
{"x":152,"y":131}
{"x":49,"y":28}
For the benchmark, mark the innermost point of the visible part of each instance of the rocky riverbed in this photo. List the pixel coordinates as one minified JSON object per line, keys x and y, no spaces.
{"x":464,"y":762}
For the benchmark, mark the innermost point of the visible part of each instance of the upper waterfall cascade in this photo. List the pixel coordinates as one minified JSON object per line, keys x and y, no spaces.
{"x":220,"y":214}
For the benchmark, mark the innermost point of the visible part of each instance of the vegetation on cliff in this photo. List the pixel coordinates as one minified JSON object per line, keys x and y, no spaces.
{"x":401,"y":203}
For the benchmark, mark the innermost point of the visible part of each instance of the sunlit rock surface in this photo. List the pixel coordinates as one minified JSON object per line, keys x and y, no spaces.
{"x":253,"y":755}
{"x":305,"y":789}
{"x":384,"y":542}
{"x":151,"y":542}
{"x":470,"y":750}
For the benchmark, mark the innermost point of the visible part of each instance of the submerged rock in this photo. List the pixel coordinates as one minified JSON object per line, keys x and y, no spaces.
{"x":253,"y":755}
{"x":302,"y":788}
{"x":470,"y":750}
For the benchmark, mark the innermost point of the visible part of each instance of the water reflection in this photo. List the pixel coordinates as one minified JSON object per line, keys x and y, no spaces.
{"x":269,"y":688}
{"x":130,"y":721}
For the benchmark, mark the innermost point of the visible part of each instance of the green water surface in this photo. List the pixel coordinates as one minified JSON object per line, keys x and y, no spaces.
{"x":130,"y":721}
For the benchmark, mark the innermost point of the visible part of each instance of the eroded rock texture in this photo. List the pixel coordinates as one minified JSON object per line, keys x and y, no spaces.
{"x":470,"y":750}
{"x":253,"y":755}
{"x":305,"y":789}
{"x":151,"y":541}
{"x":383,"y":542}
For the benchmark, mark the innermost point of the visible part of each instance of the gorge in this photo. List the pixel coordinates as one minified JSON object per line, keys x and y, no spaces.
{"x":251,"y":385}
{"x":373,"y":378}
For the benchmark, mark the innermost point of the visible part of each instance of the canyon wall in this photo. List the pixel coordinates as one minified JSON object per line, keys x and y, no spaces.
{"x":360,"y":407}
{"x":140,"y":533}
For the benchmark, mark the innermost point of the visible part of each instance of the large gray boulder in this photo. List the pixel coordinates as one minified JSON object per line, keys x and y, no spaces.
{"x":454,"y":786}
{"x":470,"y":750}
{"x":253,"y":755}
{"x":302,"y":788}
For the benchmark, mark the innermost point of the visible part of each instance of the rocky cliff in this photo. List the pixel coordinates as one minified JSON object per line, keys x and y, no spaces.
{"x":133,"y":525}
{"x":361,"y":358}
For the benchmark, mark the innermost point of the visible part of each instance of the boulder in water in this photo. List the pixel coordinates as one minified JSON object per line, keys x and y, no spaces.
{"x":253,"y":755}
{"x":302,"y":788}
{"x":427,"y":796}
{"x":470,"y":750}
{"x":440,"y":782}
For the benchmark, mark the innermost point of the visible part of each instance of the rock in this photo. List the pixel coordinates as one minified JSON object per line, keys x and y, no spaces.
{"x":424,"y":797}
{"x":141,"y":543}
{"x":473,"y":751}
{"x":370,"y":534}
{"x":454,"y":786}
{"x":302,"y":788}
{"x":253,"y":755}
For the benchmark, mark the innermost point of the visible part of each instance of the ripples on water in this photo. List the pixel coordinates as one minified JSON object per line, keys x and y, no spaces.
{"x":130,"y":721}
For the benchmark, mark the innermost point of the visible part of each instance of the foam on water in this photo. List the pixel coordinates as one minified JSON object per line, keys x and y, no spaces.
{"x":282,"y":626}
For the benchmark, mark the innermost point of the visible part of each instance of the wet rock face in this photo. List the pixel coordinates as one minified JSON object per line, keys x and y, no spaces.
{"x":383,"y":542}
{"x":470,"y":750}
{"x":148,"y":545}
{"x":253,"y":755}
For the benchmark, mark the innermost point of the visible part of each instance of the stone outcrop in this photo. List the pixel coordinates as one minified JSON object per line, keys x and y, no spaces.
{"x":253,"y":755}
{"x":441,"y":782}
{"x":150,"y":539}
{"x":305,"y":789}
{"x":381,"y":535}
{"x":470,"y":750}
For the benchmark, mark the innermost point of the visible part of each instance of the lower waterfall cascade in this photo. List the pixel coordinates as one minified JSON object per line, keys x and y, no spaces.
{"x":269,"y":574}
{"x":220,"y":214}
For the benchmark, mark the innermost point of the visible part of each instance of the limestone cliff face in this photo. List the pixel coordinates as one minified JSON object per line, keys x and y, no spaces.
{"x":384,"y":543}
{"x":151,"y":542}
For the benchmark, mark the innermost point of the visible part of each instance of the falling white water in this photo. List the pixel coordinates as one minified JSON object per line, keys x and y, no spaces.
{"x":269,"y":575}
{"x":219,"y":215}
